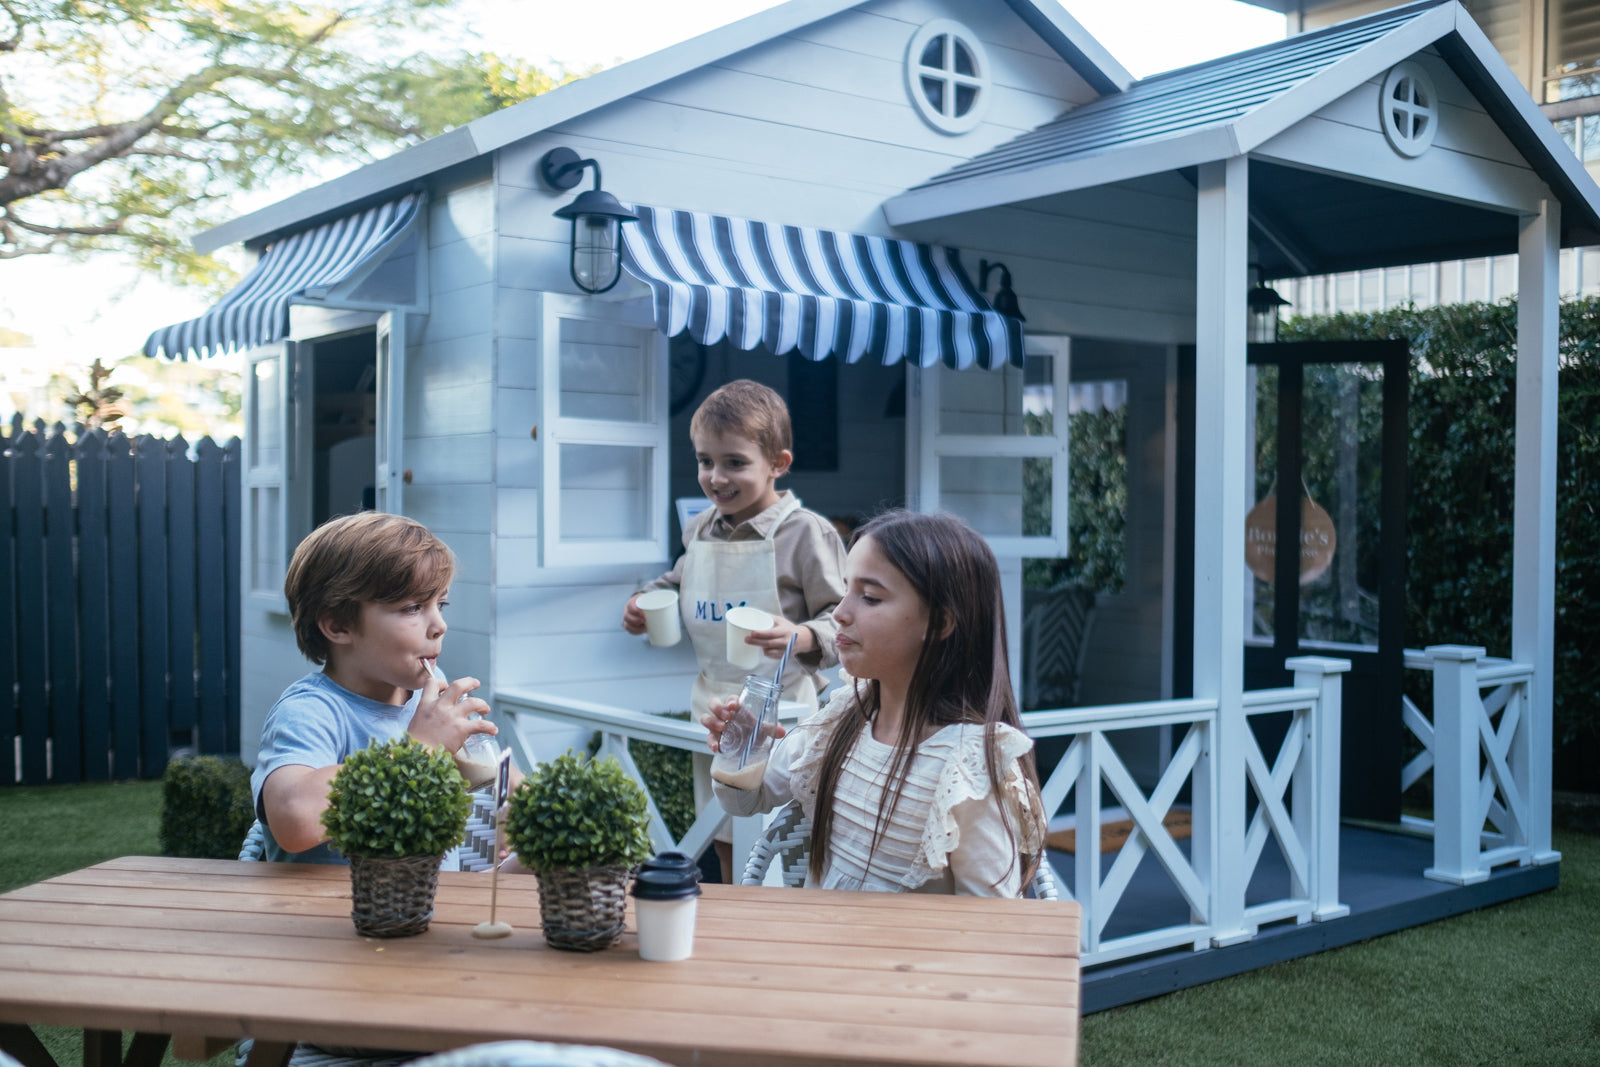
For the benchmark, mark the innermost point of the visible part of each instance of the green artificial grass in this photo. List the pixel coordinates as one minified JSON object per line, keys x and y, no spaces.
{"x":50,"y":830}
{"x":1512,"y":984}
{"x":1517,"y":983}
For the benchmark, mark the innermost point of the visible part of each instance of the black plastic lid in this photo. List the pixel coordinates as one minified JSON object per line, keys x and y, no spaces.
{"x":666,"y":885}
{"x":671,"y":861}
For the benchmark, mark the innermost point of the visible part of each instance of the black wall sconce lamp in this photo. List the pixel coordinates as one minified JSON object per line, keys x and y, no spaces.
{"x":597,"y":219}
{"x":1261,"y":327}
{"x":1005,"y":301}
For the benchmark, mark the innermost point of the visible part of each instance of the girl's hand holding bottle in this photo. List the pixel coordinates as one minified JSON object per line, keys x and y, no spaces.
{"x":717,"y":717}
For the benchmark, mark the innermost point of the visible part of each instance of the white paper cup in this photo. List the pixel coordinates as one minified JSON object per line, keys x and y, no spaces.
{"x":666,"y":928}
{"x":742,"y":622}
{"x":660,"y":607}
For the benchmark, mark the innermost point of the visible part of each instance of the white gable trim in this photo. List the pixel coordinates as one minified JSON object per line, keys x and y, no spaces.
{"x":563,"y":104}
{"x":1312,"y":95}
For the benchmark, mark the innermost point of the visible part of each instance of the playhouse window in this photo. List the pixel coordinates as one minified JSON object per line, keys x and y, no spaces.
{"x":264,"y":473}
{"x":604,"y":433}
{"x":947,"y":76}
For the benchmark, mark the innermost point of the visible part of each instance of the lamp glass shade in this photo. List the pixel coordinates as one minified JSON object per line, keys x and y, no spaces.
{"x":1262,"y":326}
{"x":596,"y":252}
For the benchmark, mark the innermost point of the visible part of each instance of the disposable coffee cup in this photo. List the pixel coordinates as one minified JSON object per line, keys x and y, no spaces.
{"x":664,"y":906}
{"x":742,"y":622}
{"x":660,"y":607}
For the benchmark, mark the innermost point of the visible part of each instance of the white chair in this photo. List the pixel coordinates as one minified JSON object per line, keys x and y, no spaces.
{"x":475,"y":853}
{"x":787,"y":839}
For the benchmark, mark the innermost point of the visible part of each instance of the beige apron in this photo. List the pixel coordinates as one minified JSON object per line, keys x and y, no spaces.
{"x":718,"y":575}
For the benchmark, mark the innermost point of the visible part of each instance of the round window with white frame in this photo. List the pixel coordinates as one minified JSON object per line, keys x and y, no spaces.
{"x":947,"y":75}
{"x":1409,"y":109}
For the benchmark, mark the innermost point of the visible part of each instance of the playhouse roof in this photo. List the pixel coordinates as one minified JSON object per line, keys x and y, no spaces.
{"x":478,"y":138}
{"x":1230,"y":106}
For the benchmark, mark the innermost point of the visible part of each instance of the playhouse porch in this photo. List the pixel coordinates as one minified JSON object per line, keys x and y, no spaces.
{"x":1262,"y":869}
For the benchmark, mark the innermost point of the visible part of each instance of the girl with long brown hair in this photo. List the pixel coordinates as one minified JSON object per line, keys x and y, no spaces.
{"x":916,"y":775}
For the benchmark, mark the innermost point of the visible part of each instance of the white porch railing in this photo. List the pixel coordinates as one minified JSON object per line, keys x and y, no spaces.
{"x":1296,"y":789}
{"x":1478,"y":745}
{"x":616,"y":727}
{"x":1297,"y":793}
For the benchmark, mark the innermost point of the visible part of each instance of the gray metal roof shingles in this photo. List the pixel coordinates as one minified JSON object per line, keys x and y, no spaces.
{"x":1181,"y":101}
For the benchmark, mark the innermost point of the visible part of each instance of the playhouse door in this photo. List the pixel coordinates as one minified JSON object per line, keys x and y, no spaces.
{"x":1327,"y":447}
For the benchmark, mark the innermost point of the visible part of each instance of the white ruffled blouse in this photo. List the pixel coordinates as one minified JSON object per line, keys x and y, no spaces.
{"x":946,"y":834}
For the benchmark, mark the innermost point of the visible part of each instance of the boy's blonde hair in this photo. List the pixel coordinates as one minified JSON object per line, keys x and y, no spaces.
{"x":748,"y":409}
{"x":370,"y":557}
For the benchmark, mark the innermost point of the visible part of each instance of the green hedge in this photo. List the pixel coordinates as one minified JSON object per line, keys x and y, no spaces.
{"x":206,"y":807}
{"x":669,"y":774}
{"x":1460,"y":479}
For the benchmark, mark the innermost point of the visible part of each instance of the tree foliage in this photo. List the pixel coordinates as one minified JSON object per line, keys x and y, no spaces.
{"x":127,"y":124}
{"x":1462,"y":424}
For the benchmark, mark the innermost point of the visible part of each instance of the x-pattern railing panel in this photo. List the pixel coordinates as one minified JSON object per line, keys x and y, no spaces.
{"x":1271,"y":785}
{"x":1149,"y":827}
{"x":1480,"y":748}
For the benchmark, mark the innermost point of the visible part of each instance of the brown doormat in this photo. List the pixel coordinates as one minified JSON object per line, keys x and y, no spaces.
{"x":1113,"y":835}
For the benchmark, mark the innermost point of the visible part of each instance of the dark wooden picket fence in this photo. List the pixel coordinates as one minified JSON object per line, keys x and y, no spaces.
{"x":119,"y":604}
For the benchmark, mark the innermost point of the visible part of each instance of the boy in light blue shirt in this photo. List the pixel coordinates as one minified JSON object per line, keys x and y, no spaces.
{"x":366,"y":596}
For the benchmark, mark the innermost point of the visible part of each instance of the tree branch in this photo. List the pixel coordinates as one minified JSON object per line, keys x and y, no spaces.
{"x":12,"y":43}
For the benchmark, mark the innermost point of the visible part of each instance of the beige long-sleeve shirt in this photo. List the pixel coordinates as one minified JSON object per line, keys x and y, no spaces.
{"x":810,"y":560}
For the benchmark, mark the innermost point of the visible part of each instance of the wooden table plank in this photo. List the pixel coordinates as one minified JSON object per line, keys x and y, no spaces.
{"x":208,"y":950}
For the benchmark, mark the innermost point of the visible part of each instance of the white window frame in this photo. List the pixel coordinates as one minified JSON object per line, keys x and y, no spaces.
{"x":933,"y":446}
{"x":557,"y":431}
{"x":389,"y":431}
{"x":256,"y":476}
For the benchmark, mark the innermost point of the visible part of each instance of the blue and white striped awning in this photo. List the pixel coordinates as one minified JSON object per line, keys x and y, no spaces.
{"x":256,"y":311}
{"x":823,"y":293}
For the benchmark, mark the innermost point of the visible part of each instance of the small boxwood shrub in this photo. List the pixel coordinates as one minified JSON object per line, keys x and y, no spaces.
{"x":397,"y":798}
{"x":575,"y":813}
{"x":206,"y":808}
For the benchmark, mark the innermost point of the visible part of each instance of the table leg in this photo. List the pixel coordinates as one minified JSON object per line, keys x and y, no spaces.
{"x":23,"y":1045}
{"x":270,"y":1054}
{"x":103,"y":1048}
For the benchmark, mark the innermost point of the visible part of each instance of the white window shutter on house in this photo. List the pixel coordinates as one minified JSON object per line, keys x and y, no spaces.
{"x":603,"y":433}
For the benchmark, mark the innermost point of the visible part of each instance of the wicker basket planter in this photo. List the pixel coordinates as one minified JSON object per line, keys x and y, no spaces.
{"x":392,"y":896}
{"x":582,"y":910}
{"x":394,"y":809}
{"x":581,"y":826}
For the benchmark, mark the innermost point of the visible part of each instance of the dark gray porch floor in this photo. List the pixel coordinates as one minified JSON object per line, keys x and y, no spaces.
{"x":1380,"y":879}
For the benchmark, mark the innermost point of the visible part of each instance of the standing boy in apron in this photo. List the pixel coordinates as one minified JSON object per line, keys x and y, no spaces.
{"x":755,"y":545}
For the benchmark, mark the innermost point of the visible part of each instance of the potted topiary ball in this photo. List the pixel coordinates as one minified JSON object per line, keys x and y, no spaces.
{"x":582,"y":826}
{"x":394,"y":809}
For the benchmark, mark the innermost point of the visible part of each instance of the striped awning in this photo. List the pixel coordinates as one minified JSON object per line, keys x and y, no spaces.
{"x":822,"y":293}
{"x":304,"y":264}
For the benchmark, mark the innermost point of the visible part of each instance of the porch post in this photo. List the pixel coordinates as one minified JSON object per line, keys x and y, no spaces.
{"x":1533,"y":594}
{"x":1316,"y":781}
{"x":1457,"y":824}
{"x":1222,"y":205}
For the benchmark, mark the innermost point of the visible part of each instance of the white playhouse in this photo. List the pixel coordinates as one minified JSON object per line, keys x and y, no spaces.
{"x":851,"y":201}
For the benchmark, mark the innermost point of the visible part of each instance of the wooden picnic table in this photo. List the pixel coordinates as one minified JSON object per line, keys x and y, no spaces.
{"x":209,"y":951}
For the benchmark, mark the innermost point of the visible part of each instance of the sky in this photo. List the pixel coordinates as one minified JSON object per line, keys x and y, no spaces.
{"x":76,"y":311}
